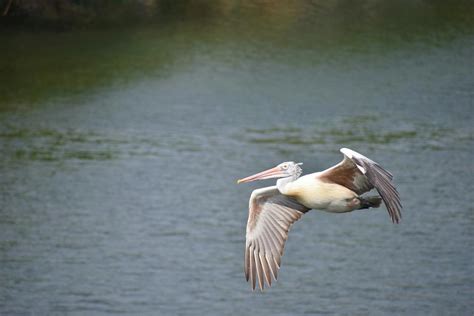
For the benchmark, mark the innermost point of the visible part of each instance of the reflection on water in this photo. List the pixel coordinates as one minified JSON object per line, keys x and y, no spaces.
{"x":174,"y":34}
{"x":364,"y":129}
{"x":58,"y":145}
{"x":120,"y":147}
{"x":55,"y":145}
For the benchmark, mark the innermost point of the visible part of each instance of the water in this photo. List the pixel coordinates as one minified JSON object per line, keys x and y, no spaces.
{"x":121,"y":147}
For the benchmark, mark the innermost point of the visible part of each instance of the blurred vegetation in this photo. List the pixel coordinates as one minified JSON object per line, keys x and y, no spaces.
{"x":84,"y":12}
{"x":102,"y":12}
{"x":62,"y":47}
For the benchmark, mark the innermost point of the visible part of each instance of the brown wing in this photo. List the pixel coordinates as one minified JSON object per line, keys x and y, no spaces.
{"x":361,"y":174}
{"x":270,"y":216}
{"x":348,"y":175}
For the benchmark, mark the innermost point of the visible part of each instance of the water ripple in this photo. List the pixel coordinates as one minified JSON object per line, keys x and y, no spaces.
{"x":59,"y":145}
{"x":362,"y":129}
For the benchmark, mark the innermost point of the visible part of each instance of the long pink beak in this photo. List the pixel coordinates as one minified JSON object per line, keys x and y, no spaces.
{"x":275,"y":172}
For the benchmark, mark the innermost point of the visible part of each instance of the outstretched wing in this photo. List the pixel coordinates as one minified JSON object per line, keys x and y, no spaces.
{"x":361,"y":174}
{"x":270,"y":216}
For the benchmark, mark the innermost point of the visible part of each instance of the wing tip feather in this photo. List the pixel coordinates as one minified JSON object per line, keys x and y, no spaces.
{"x":381,"y":179}
{"x":267,"y":231}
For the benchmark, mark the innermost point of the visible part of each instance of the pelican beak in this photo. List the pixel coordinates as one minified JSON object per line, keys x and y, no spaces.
{"x":275,"y":172}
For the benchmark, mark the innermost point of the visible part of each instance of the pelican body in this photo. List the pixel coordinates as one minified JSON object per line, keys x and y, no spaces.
{"x":339,"y":189}
{"x":313,"y":193}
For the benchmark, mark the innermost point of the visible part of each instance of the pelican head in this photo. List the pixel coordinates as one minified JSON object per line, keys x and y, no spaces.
{"x":283,"y":170}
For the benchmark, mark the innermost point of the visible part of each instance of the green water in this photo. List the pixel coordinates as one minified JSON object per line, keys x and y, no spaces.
{"x":41,"y":62}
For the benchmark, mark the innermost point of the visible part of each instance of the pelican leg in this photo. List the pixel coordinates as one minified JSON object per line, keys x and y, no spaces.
{"x":368,"y":202}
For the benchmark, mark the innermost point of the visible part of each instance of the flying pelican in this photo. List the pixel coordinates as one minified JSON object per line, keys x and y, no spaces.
{"x":272,"y":210}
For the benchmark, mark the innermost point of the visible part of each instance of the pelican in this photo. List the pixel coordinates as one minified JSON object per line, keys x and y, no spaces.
{"x":273,"y":209}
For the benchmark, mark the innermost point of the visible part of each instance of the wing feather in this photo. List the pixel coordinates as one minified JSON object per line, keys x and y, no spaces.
{"x":361,"y":174}
{"x":258,"y":264}
{"x":247,"y":264}
{"x":266,"y":269}
{"x":271,"y":215}
{"x":273,"y":268}
{"x":252,"y":267}
{"x":378,"y":178}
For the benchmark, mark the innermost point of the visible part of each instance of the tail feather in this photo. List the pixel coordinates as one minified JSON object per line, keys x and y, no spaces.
{"x":370,"y":201}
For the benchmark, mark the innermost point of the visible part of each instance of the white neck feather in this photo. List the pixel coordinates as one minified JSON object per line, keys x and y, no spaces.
{"x":283,"y":183}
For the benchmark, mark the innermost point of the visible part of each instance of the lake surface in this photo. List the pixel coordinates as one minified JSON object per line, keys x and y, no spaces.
{"x":120,"y":148}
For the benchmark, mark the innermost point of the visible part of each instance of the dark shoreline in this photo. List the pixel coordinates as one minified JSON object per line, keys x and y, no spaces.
{"x":89,"y":13}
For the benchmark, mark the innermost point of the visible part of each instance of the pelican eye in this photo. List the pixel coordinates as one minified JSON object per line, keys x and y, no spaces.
{"x":285,"y":166}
